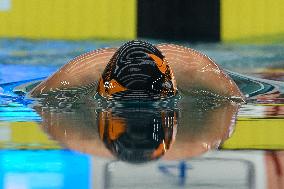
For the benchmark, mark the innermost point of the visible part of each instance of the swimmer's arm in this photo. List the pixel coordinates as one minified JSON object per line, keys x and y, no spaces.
{"x":82,"y":71}
{"x":195,"y":71}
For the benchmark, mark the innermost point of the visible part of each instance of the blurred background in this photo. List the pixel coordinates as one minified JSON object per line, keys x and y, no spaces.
{"x":194,"y":20}
{"x":39,"y":36}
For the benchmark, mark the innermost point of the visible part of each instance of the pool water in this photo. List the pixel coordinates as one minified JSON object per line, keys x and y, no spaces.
{"x":188,"y":142}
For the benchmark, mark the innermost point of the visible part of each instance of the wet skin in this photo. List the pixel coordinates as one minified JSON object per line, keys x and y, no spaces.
{"x":192,"y":72}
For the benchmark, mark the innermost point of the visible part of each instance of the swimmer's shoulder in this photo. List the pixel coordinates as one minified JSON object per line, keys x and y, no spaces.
{"x":81,"y":71}
{"x":194,"y":70}
{"x":95,"y":57}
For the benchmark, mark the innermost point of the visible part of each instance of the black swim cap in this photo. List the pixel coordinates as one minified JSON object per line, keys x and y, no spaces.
{"x":138,"y":70}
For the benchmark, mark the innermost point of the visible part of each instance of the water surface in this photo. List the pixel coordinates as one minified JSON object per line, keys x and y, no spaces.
{"x":188,"y":142}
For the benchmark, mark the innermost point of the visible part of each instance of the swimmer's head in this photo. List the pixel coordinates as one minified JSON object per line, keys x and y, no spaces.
{"x":138,"y":70}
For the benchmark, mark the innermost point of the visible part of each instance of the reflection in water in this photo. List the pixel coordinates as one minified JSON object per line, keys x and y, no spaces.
{"x":137,"y":134}
{"x":140,"y":132}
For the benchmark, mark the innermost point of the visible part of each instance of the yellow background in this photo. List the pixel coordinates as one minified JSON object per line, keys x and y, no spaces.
{"x":252,"y":19}
{"x":69,"y":19}
{"x":257,"y":133}
{"x":26,"y":135}
{"x":117,"y":19}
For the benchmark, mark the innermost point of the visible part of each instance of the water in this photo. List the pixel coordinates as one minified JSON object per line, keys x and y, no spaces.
{"x":191,"y":142}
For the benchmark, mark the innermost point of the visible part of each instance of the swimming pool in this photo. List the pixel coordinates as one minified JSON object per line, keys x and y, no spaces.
{"x":61,"y":147}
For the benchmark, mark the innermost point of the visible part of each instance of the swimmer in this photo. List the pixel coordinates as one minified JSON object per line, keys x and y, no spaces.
{"x":140,"y":70}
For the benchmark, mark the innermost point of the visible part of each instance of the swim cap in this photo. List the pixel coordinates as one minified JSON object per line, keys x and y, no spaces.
{"x":137,"y":70}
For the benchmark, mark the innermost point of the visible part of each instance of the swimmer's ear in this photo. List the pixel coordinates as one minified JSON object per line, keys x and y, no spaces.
{"x":108,"y":88}
{"x":159,"y":62}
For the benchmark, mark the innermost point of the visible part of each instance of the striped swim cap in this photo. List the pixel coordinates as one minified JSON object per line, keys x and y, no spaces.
{"x":139,"y":71}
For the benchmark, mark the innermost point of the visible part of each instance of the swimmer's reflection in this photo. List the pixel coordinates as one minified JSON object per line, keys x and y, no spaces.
{"x":137,"y":135}
{"x":142,"y":134}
